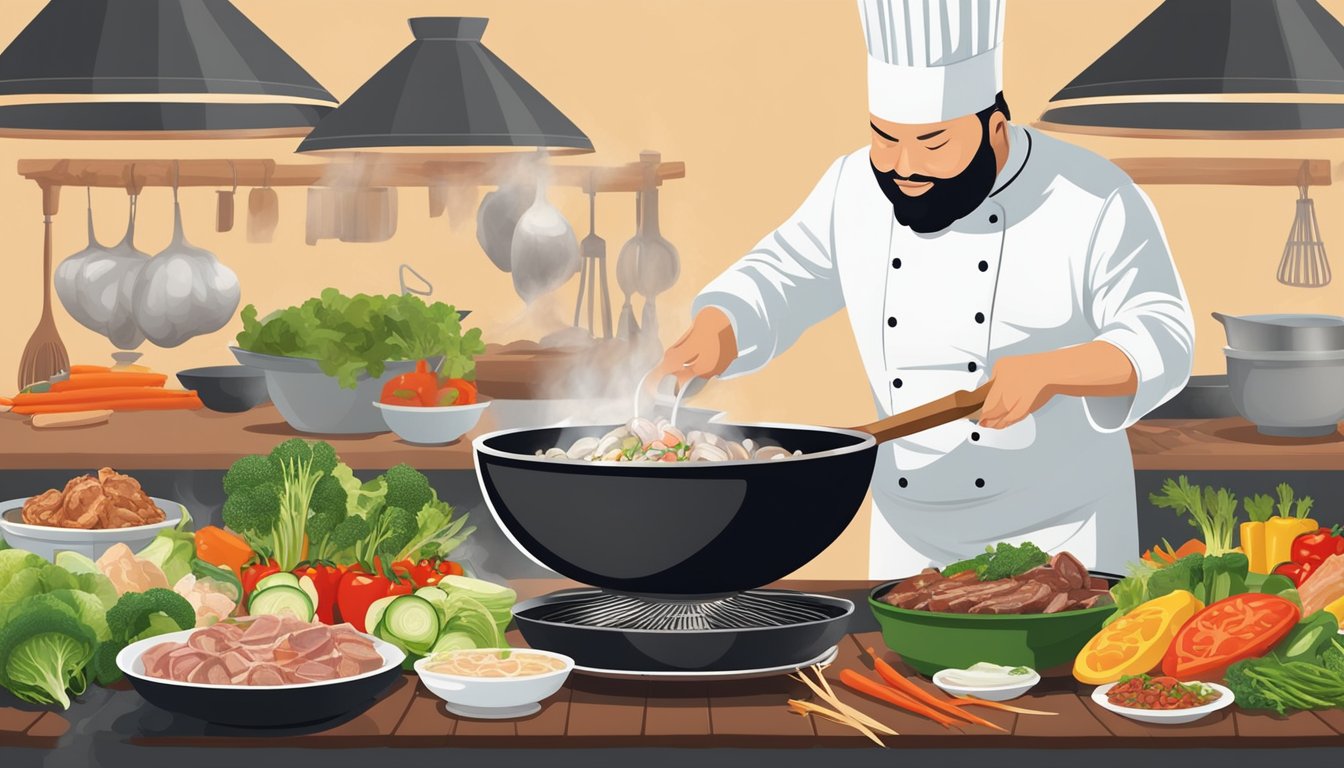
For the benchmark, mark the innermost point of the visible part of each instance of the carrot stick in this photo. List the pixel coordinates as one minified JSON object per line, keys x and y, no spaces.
{"x":966,"y":701}
{"x":881,"y":692}
{"x":74,"y":369}
{"x":5,"y":400}
{"x":827,"y":695}
{"x":121,"y":379}
{"x":91,"y":395}
{"x":123,"y":404}
{"x":897,"y":680}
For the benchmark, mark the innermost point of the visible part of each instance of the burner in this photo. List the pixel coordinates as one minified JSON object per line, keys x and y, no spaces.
{"x":627,"y":634}
{"x":748,"y":610}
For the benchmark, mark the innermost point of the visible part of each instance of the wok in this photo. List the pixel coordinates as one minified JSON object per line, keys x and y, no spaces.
{"x":690,"y":529}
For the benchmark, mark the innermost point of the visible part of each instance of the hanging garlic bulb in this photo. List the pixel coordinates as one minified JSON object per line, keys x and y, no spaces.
{"x":100,"y":292}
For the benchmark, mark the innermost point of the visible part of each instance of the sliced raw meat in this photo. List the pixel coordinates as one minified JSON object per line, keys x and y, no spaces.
{"x":181,"y":665}
{"x":155,"y":659}
{"x":266,"y":674}
{"x":264,"y":630}
{"x":1048,"y":576}
{"x":236,"y":663}
{"x":212,"y":671}
{"x":312,"y":671}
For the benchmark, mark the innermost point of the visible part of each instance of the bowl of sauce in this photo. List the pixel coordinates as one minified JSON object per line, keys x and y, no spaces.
{"x":494,"y":683}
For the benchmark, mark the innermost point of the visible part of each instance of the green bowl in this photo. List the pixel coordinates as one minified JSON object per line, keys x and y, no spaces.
{"x":930,"y":642}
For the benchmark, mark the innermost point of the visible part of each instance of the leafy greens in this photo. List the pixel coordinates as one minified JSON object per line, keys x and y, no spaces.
{"x":353,"y":335}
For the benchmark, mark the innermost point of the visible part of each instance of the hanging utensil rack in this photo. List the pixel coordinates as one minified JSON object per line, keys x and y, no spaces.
{"x":134,"y":175}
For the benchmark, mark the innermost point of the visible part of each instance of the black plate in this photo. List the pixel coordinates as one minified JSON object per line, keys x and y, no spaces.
{"x":260,"y":707}
{"x":723,"y":650}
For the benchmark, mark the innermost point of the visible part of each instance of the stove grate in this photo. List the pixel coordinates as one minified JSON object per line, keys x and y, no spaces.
{"x":747,"y":610}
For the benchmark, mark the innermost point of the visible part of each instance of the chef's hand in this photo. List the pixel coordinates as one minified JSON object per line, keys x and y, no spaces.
{"x":706,"y":349}
{"x":1018,"y":387}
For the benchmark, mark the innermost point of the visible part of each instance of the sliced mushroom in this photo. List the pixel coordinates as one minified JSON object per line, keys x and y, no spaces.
{"x":584,"y":446}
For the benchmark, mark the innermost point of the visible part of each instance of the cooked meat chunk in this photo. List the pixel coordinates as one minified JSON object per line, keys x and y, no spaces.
{"x":110,"y":500}
{"x":270,"y":651}
{"x":1061,"y":585}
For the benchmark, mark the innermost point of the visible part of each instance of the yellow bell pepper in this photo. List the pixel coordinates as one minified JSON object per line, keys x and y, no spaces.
{"x":1279,"y":535}
{"x":1253,"y":546}
{"x":1337,"y":610}
{"x":1135,"y":643}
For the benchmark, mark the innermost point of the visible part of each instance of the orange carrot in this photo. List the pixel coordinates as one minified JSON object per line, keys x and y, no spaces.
{"x":93,"y":380}
{"x":897,"y":680}
{"x":863,"y":685}
{"x":5,"y":400}
{"x":91,"y":395}
{"x":966,"y":701}
{"x":74,"y":369}
{"x":122,"y":404}
{"x":225,"y":549}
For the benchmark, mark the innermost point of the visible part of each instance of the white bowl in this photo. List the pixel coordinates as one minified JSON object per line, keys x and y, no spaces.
{"x":495,"y":698}
{"x":1165,"y":716}
{"x":46,"y":541}
{"x":988,"y":693}
{"x":432,"y":425}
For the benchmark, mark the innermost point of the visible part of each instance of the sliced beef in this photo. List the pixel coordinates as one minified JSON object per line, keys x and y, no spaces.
{"x":1025,"y":598}
{"x":1047,"y":575}
{"x":182,"y":663}
{"x":211,"y":671}
{"x":263,"y":631}
{"x":312,"y":671}
{"x":236,"y":663}
{"x":266,"y":674}
{"x":1059,"y":601}
{"x":1087,"y":598}
{"x":926,"y":578}
{"x":1068,"y":566}
{"x":965,"y":602}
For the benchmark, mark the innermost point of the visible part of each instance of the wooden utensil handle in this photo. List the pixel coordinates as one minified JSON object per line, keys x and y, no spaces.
{"x":958,"y":405}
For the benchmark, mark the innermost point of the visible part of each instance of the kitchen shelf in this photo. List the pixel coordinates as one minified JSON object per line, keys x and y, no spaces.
{"x":1240,"y":171}
{"x":380,"y":173}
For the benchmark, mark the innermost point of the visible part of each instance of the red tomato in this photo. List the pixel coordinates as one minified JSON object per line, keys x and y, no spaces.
{"x":419,"y":388}
{"x":327,"y":580}
{"x":1295,"y":571}
{"x":1316,"y":547}
{"x":358,"y":590}
{"x":1239,"y":627}
{"x":429,"y":571}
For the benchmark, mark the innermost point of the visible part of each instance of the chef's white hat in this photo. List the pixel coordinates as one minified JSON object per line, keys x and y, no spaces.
{"x":932,"y":60}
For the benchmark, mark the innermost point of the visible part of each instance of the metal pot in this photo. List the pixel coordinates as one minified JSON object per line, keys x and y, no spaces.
{"x":1288,"y":394}
{"x":1283,"y":333}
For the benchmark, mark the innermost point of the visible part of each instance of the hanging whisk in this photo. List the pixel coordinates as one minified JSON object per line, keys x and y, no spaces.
{"x":1304,"y":263}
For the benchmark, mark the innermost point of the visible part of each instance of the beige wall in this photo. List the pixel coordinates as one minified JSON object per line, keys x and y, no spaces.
{"x":756,"y":96}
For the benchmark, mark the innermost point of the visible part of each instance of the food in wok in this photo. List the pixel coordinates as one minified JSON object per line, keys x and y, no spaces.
{"x":110,"y":500}
{"x":643,"y":440}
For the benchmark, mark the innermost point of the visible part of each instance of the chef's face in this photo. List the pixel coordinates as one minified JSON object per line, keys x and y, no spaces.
{"x":936,"y":173}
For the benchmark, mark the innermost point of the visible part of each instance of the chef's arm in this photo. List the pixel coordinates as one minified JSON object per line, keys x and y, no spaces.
{"x":1138,"y":306}
{"x":787,"y":284}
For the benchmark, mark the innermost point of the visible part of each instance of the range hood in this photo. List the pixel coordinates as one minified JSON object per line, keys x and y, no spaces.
{"x":1234,"y":69}
{"x":131,"y":69}
{"x":446,"y":93}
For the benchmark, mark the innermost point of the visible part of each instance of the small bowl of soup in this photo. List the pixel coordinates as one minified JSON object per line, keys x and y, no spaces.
{"x":494,"y":683}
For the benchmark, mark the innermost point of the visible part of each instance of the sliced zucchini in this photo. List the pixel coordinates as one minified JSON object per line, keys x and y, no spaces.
{"x":281,"y":600}
{"x":410,"y":622}
{"x":310,"y":589}
{"x":278,"y":579}
{"x":374,"y":616}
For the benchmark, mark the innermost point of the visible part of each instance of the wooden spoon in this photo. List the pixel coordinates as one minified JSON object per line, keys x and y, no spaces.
{"x":958,"y":405}
{"x":45,"y":354}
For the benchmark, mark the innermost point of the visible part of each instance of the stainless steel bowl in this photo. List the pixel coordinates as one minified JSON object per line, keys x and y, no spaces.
{"x":1290,"y":394}
{"x":1283,"y":333}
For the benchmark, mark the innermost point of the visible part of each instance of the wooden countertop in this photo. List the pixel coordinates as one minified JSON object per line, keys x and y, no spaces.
{"x":203,"y":439}
{"x":590,"y":712}
{"x":1228,"y":444}
{"x":208,"y":440}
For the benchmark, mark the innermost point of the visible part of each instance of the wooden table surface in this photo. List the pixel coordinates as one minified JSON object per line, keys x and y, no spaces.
{"x":204,"y":439}
{"x":591,"y":712}
{"x":208,"y":440}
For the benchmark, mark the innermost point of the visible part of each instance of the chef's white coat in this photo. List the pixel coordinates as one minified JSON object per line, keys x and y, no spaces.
{"x":1064,"y":251}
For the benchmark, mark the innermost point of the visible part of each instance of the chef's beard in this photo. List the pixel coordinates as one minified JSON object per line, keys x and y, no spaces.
{"x":948,"y":199}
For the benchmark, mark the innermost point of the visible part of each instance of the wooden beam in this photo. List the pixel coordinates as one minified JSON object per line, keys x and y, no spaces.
{"x":1246,"y":171}
{"x":138,"y":174}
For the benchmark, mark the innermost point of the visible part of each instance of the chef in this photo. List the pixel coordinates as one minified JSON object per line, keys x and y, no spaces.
{"x":968,"y":249}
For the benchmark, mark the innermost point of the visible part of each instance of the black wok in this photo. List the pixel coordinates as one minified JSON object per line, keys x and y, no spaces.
{"x":690,"y":529}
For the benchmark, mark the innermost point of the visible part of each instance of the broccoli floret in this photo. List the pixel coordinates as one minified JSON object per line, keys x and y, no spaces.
{"x":407,"y":488}
{"x":44,"y":649}
{"x":1333,"y":658}
{"x":1009,"y":561}
{"x":317,"y":457}
{"x":1186,"y":573}
{"x":1247,"y":689}
{"x":250,"y":472}
{"x":130,"y":617}
{"x":328,"y":507}
{"x":253,"y":512}
{"x":977,"y":564}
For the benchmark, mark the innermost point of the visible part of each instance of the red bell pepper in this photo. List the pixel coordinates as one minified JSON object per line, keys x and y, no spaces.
{"x":359,"y":589}
{"x":254,"y":573}
{"x":456,"y":392}
{"x":416,"y":389}
{"x":327,"y":580}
